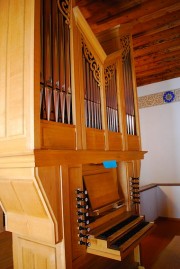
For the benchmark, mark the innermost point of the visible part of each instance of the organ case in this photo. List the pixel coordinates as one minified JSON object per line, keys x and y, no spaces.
{"x":74,"y":108}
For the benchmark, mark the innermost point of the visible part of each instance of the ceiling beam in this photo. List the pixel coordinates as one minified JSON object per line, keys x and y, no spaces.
{"x":157,"y":77}
{"x":158,"y":62}
{"x":101,"y":21}
{"x":163,"y":36}
{"x":167,"y":47}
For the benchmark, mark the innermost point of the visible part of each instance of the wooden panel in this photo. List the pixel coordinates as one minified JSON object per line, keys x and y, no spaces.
{"x":16,"y":83}
{"x":26,"y":208}
{"x":95,"y":139}
{"x":102,"y":189}
{"x":9,"y":198}
{"x":50,"y":180}
{"x":123,"y":181}
{"x":3,"y":52}
{"x":29,"y":198}
{"x":57,"y":136}
{"x":115,"y":141}
{"x":58,"y":157}
{"x":32,"y":255}
{"x":133,"y":142}
{"x":15,"y":70}
{"x":67,"y":216}
{"x":75,"y":182}
{"x":31,"y":227}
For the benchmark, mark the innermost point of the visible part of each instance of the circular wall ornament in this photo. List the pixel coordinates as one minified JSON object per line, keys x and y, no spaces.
{"x":168,"y":97}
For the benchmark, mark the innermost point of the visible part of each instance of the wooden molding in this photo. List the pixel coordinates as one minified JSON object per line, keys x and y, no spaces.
{"x":86,"y":30}
{"x":154,"y":185}
{"x":57,"y":157}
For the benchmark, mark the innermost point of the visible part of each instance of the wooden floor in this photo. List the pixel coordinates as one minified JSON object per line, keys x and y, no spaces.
{"x":151,"y":246}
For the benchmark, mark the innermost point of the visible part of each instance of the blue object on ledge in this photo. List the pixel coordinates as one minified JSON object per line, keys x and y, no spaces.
{"x":110,"y":164}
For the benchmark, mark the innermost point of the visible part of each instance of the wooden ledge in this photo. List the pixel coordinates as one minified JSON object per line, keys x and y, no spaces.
{"x":18,"y":160}
{"x":71,"y":157}
{"x":48,"y":157}
{"x":154,"y":185}
{"x":147,"y":187}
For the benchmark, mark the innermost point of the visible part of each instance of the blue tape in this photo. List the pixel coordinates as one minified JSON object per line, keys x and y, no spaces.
{"x":110,"y":164}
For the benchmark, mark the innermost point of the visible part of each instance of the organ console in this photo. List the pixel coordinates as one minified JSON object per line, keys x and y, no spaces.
{"x":66,"y":108}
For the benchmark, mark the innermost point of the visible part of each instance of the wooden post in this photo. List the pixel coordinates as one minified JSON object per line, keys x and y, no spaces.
{"x":1,"y":220}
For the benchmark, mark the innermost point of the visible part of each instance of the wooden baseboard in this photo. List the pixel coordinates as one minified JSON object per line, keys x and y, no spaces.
{"x":166,"y":218}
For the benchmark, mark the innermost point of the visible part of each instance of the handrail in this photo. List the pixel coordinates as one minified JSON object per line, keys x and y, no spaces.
{"x":154,"y":185}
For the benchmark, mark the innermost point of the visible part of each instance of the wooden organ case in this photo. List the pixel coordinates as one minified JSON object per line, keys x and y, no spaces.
{"x":70,"y":146}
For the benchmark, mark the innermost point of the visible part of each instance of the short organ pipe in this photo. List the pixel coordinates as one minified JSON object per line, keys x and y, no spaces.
{"x":92,"y":100}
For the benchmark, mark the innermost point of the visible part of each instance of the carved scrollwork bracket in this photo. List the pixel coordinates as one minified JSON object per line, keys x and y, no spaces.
{"x":125,"y":42}
{"x":109,"y":73}
{"x":64,"y":8}
{"x":94,"y":66}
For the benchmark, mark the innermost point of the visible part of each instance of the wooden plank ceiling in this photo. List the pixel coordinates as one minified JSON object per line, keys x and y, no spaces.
{"x":155,"y":31}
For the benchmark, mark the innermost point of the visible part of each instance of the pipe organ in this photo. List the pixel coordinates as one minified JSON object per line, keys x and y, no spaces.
{"x":70,"y":146}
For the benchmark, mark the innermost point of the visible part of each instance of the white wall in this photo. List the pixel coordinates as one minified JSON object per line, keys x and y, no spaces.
{"x":168,"y":199}
{"x":161,"y":201}
{"x":166,"y":85}
{"x":149,"y":202}
{"x":160,"y":134}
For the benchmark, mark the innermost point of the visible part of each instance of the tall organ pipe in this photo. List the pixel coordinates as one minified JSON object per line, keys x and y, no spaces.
{"x":56,"y":94}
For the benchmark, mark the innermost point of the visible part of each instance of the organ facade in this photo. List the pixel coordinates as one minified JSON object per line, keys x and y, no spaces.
{"x":70,"y":146}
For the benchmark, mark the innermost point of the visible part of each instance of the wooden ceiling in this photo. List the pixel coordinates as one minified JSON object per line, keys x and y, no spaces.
{"x":155,"y":31}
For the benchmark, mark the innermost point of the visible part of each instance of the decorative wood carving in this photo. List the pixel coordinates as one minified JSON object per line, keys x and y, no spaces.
{"x":64,"y":7}
{"x":109,"y":73}
{"x":125,"y":42}
{"x":94,"y":66}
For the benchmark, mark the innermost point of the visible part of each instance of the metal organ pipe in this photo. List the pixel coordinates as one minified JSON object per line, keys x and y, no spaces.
{"x":92,"y":99}
{"x":55,"y":92}
{"x":129,"y":95}
{"x":111,"y":99}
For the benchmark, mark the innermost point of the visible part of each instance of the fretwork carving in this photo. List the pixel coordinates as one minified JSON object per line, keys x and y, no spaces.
{"x":109,"y":73}
{"x":92,"y":61}
{"x":64,"y":7}
{"x":125,"y":42}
